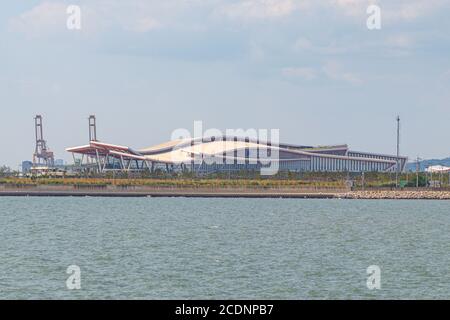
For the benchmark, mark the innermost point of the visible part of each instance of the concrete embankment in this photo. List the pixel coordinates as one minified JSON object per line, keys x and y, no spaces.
{"x":66,"y":191}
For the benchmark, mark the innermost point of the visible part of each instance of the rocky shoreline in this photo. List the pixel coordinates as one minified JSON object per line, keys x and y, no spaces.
{"x":400,"y":194}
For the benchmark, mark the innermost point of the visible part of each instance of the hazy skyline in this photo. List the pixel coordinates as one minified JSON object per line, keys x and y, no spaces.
{"x":145,"y":68}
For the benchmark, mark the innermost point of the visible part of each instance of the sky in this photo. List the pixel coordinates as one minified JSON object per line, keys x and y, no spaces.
{"x":310,"y":68}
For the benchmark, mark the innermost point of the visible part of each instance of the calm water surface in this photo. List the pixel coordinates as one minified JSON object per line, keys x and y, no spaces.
{"x":177,"y":248}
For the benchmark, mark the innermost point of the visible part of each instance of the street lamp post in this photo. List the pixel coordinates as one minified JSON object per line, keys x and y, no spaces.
{"x":397,"y":169}
{"x":417,"y":172}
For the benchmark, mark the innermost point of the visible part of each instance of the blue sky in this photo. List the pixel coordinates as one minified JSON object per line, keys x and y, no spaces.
{"x":310,"y":68}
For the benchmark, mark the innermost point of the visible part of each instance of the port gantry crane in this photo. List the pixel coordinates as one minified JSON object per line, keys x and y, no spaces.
{"x":42,"y":155}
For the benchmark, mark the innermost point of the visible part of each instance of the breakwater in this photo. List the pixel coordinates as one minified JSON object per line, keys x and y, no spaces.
{"x":399,"y":194}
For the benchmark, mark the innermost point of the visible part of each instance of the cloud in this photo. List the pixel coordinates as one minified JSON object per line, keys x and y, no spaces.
{"x":392,"y":11}
{"x":304,"y":73}
{"x":389,"y":43}
{"x":146,"y":15}
{"x":50,"y":17}
{"x":355,"y":8}
{"x":331,"y":70}
{"x":257,"y":9}
{"x":335,"y":72}
{"x":414,"y":9}
{"x":144,"y":24}
{"x":46,"y":17}
{"x":304,"y":45}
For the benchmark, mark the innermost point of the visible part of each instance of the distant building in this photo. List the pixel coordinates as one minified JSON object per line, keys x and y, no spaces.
{"x":59,"y":162}
{"x":26,"y":166}
{"x":47,"y":171}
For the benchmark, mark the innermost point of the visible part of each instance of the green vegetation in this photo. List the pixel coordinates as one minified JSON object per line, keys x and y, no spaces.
{"x":243,"y":179}
{"x":172,"y":183}
{"x":5,"y":171}
{"x":406,"y":180}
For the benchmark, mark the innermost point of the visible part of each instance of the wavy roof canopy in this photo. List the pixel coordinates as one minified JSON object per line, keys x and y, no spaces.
{"x":185,"y":150}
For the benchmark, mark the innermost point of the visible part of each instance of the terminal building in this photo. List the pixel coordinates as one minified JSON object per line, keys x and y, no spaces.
{"x":226,"y":154}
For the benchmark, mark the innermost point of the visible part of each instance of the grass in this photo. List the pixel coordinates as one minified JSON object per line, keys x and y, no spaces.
{"x":241,"y":180}
{"x":174,"y":183}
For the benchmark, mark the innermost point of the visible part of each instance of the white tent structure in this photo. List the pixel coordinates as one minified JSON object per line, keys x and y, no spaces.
{"x":440,"y":171}
{"x":437,"y":169}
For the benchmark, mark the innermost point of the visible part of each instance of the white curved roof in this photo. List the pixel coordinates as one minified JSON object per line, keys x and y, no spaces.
{"x":164,"y":146}
{"x":185,"y":150}
{"x":207,"y":149}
